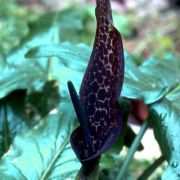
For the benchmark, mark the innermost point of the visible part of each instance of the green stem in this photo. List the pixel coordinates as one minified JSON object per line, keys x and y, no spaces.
{"x":132,"y":150}
{"x":151,"y":168}
{"x":174,"y":90}
{"x":49,"y":68}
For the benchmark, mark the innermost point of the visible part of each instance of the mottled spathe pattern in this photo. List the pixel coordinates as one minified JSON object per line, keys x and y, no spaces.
{"x":101,"y":87}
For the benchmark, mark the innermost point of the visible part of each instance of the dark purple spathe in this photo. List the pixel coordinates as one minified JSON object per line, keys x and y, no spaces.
{"x":100,"y":89}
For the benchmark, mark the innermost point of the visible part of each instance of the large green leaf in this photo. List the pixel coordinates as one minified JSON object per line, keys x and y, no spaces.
{"x":142,"y":82}
{"x":137,"y":82}
{"x":165,"y":113}
{"x":139,"y":85}
{"x":43,"y":152}
{"x":166,"y":123}
{"x":17,"y":72}
{"x":20,"y":111}
{"x":70,"y":65}
{"x":165,"y":72}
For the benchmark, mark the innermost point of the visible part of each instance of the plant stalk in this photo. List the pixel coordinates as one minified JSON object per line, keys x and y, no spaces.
{"x":151,"y":168}
{"x":132,"y":150}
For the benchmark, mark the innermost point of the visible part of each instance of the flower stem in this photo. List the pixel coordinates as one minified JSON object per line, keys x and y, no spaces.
{"x":132,"y":150}
{"x":151,"y":168}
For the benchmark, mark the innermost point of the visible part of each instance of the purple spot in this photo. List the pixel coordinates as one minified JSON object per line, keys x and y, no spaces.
{"x":105,"y":51}
{"x":101,"y":28}
{"x":97,"y":115}
{"x":108,"y":74}
{"x":94,"y":87}
{"x":90,"y":110}
{"x":101,"y":94}
{"x":101,"y":46}
{"x":104,"y":38}
{"x":99,"y":78}
{"x":110,"y":57}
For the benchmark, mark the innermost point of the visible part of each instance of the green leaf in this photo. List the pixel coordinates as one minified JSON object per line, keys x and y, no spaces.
{"x":166,"y":123}
{"x":43,"y":152}
{"x":138,"y":85}
{"x":70,"y":65}
{"x":17,"y":72}
{"x":174,"y":95}
{"x":73,"y":56}
{"x":20,"y":111}
{"x":21,"y":77}
{"x":165,"y":72}
{"x":166,"y":112}
{"x":10,"y":126}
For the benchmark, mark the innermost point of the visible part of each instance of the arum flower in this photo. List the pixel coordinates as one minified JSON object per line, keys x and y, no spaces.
{"x":97,"y":105}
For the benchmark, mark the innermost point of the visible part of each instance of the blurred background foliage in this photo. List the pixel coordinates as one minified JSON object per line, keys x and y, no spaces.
{"x":144,"y":26}
{"x":43,"y":44}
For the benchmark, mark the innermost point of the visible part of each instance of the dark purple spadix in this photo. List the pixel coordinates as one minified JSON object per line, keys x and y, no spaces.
{"x":97,"y":105}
